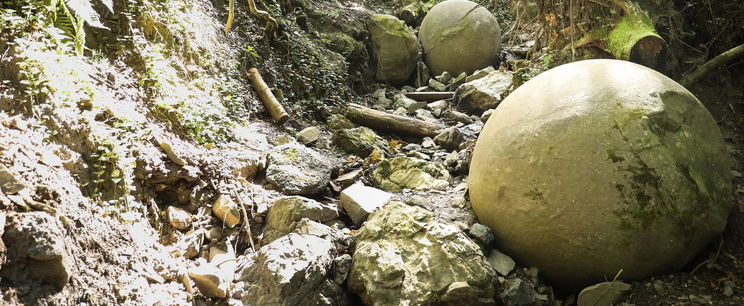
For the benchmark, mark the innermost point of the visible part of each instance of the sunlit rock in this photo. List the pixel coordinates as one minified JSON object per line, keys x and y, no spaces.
{"x":597,"y":166}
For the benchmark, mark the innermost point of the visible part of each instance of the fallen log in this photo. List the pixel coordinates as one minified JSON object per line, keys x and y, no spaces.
{"x":430,"y":96}
{"x":269,"y":100}
{"x":713,"y":65}
{"x":634,"y":37}
{"x":388,"y":122}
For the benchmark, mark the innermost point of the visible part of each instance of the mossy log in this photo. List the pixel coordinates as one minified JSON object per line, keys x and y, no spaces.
{"x":392,"y":123}
{"x":634,"y":37}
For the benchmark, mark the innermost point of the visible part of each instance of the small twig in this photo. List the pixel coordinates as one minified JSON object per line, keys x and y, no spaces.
{"x":246,"y":224}
{"x":596,"y":301}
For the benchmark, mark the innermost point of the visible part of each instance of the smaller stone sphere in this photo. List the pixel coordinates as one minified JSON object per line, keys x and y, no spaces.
{"x":599,"y":166}
{"x":460,"y":36}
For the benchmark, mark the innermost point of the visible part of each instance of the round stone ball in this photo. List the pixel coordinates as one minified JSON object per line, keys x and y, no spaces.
{"x":460,"y":36}
{"x":598,"y":167}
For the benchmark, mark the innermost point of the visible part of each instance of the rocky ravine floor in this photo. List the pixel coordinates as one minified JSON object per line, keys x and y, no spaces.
{"x":271,"y":216}
{"x":304,"y":243}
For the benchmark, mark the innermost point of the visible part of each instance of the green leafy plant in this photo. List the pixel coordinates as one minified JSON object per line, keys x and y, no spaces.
{"x":106,"y":174}
{"x":70,"y":16}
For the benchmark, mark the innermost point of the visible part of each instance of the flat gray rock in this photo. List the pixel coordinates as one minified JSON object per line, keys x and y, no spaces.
{"x":502,"y":263}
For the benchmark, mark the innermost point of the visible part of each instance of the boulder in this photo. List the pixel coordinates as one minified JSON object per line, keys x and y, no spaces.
{"x":482,"y":234}
{"x":597,"y":166}
{"x":405,"y":256}
{"x":457,"y":116}
{"x":359,"y":201}
{"x":309,"y":227}
{"x":436,"y":85}
{"x":485,"y":93}
{"x":36,"y":251}
{"x":211,"y":281}
{"x":502,"y":263}
{"x":410,"y":105}
{"x":339,"y":122}
{"x":518,"y":292}
{"x":425,"y":115}
{"x":460,"y":36}
{"x":394,"y":47}
{"x":287,"y":211}
{"x":480,"y":73}
{"x":458,"y":80}
{"x":449,"y":138}
{"x":179,"y":218}
{"x":407,"y":172}
{"x":348,"y":178}
{"x":9,"y":184}
{"x":293,"y":270}
{"x":308,"y":135}
{"x":226,"y":210}
{"x":437,"y":107}
{"x":341,"y":268}
{"x":360,"y":141}
{"x":297,"y":170}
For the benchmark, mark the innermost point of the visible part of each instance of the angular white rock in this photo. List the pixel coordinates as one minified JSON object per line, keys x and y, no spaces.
{"x":359,"y":201}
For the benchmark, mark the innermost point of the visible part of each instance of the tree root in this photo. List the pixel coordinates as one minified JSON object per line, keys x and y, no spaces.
{"x":273,"y":24}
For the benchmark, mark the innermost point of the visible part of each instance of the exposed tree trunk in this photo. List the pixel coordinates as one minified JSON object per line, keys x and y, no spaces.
{"x":388,"y":122}
{"x":264,"y":93}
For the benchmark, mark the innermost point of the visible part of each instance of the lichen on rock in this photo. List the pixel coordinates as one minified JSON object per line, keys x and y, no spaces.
{"x":405,"y":255}
{"x":407,"y":172}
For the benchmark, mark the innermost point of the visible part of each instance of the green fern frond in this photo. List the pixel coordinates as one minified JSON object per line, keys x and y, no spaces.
{"x":71,"y":15}
{"x":63,"y":19}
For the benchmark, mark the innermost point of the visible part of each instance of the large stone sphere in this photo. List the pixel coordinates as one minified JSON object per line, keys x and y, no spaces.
{"x":600,"y":166}
{"x":460,"y":36}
